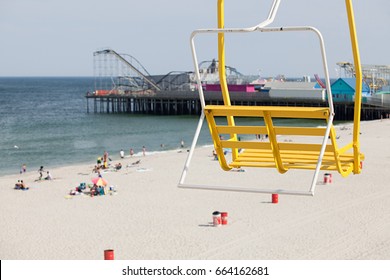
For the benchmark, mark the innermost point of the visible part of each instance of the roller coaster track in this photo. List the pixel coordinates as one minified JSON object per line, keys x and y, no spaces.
{"x":138,"y":71}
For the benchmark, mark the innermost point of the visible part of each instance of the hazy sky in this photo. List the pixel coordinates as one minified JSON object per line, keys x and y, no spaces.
{"x":58,"y":37}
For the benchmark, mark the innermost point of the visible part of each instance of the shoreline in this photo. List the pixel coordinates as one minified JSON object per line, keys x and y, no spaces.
{"x":115,"y":159}
{"x":84,"y":151}
{"x":149,"y":217}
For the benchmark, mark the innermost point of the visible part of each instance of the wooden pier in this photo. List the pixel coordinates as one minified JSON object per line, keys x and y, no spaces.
{"x":187,"y":103}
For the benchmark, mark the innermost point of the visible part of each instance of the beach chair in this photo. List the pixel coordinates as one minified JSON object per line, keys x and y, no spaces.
{"x":273,"y":153}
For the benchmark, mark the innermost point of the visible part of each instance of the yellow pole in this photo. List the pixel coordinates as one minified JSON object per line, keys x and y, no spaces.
{"x":358,"y":87}
{"x":222,"y":68}
{"x":221,"y":54}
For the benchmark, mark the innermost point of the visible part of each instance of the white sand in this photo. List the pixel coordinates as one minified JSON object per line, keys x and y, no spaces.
{"x":150,"y":218}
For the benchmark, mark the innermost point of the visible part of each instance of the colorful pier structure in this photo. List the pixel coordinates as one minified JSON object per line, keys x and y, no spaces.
{"x":123,"y":85}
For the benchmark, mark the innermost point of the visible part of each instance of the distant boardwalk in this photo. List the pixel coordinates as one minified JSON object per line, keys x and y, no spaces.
{"x":187,"y":103}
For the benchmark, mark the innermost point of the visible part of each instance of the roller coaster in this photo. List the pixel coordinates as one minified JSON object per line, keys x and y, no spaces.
{"x":118,"y":73}
{"x":122,"y":73}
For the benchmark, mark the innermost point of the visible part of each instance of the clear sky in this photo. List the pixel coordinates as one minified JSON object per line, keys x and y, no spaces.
{"x":58,"y":37}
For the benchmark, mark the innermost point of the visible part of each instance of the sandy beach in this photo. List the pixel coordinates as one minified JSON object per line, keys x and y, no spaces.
{"x":149,"y":217}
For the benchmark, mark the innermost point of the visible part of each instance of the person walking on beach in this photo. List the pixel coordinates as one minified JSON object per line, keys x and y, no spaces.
{"x":105,"y":160}
{"x":23,"y":169}
{"x":182,"y":143}
{"x":144,"y":150}
{"x":40,"y":170}
{"x":131,"y":152}
{"x":105,"y":156}
{"x":122,"y":153}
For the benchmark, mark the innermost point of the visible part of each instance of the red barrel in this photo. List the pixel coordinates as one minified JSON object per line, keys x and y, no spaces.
{"x":327,"y":178}
{"x":275,"y":198}
{"x":224,"y":216}
{"x":109,"y":254}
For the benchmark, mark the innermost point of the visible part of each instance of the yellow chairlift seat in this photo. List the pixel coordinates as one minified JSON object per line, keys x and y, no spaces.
{"x":319,"y":152}
{"x":280,"y":154}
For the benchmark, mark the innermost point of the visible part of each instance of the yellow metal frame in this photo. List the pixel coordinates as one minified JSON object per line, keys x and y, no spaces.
{"x":274,"y":154}
{"x":358,"y":87}
{"x":356,"y":167}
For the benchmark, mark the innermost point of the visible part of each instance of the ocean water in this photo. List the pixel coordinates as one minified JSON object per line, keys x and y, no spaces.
{"x":44,"y":121}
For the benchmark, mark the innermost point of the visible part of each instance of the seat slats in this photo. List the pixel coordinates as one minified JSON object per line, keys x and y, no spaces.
{"x":287,"y":157}
{"x":245,"y":144}
{"x":274,"y":111}
{"x":290,"y":155}
{"x":281,"y":130}
{"x":225,"y":129}
{"x":301,"y":131}
{"x":289,"y":166}
{"x":291,"y":160}
{"x":282,"y":146}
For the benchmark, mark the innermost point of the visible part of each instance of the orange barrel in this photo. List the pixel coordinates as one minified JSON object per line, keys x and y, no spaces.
{"x":224,"y":216}
{"x":275,"y":198}
{"x":217,"y":218}
{"x":109,"y":254}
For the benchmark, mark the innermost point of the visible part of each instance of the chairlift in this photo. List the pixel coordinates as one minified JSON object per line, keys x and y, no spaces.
{"x":273,"y":153}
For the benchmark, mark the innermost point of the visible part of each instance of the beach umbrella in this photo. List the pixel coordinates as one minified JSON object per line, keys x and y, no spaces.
{"x":99,"y":181}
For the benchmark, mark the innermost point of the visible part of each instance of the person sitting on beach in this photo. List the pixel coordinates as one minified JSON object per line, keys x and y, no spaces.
{"x":118,"y":166}
{"x":18,"y":185}
{"x":94,"y":190}
{"x":23,"y":185}
{"x":48,"y":176}
{"x":96,"y":169}
{"x":97,"y":190}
